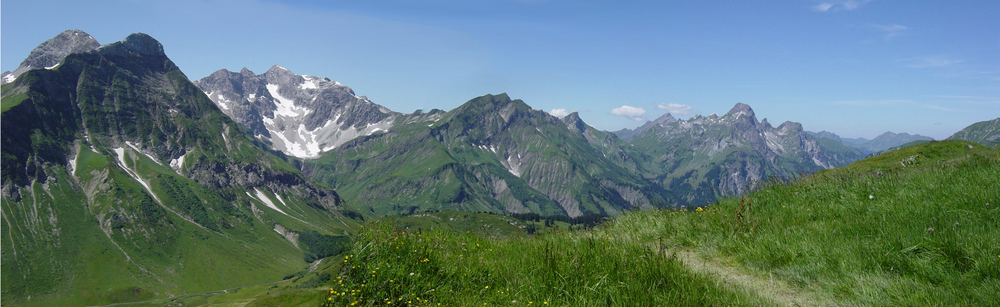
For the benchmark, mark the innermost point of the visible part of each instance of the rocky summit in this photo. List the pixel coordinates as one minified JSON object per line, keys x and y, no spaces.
{"x":703,"y":156}
{"x":51,"y":52}
{"x":492,"y":154}
{"x":302,"y":116}
{"x":123,"y":181}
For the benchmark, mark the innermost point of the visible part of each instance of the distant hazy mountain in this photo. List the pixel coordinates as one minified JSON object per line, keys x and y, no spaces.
{"x":627,"y":134}
{"x":854,"y":141}
{"x":827,"y":134}
{"x":491,"y":154}
{"x":51,"y":52}
{"x":122,"y":182}
{"x":985,"y":132}
{"x":302,"y":116}
{"x":889,"y":140}
{"x":883,"y":142}
{"x":700,"y":158}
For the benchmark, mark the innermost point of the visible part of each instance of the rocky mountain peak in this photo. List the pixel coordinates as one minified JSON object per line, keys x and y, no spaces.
{"x":278,"y":70}
{"x":790,"y":126}
{"x":765,"y":124}
{"x":136,"y":43}
{"x":51,"y":52}
{"x":300,"y":115}
{"x":745,"y":118}
{"x":665,"y":119}
{"x":741,"y":108}
{"x":574,"y":122}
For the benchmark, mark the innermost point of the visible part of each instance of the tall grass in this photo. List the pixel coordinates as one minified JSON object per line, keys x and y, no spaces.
{"x":890,"y":229}
{"x":389,"y":267}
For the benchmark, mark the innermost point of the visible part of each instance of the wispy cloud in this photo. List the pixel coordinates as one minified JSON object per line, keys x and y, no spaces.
{"x":965,"y":97}
{"x":873,"y":103}
{"x":936,"y":61}
{"x":835,"y":6}
{"x":823,"y":7}
{"x":940,"y":108}
{"x":675,"y":108}
{"x":560,"y":113}
{"x":891,"y":31}
{"x":890,"y":28}
{"x":899,"y":103}
{"x":967,"y":100}
{"x":629,"y":111}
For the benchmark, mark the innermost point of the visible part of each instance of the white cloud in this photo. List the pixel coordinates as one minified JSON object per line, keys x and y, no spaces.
{"x":835,"y":6}
{"x":628,"y":111}
{"x":890,"y":28}
{"x":560,"y":113}
{"x":675,"y":108}
{"x":822,"y":7}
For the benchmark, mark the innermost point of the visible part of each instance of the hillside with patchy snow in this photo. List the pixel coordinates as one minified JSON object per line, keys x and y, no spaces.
{"x":302,"y":116}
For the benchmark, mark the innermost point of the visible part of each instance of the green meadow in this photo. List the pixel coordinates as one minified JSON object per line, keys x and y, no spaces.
{"x":916,"y":227}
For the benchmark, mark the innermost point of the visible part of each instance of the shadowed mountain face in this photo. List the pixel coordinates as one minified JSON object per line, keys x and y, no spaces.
{"x":302,"y":116}
{"x":122,"y":181}
{"x":491,"y":154}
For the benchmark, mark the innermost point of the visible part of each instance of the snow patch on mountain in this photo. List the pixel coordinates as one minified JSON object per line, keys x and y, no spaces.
{"x":220,"y":100}
{"x":513,"y":165}
{"x":285,"y":106}
{"x":121,"y":159}
{"x":267,"y":201}
{"x":309,"y":83}
{"x":303,"y":116}
{"x":774,"y":142}
{"x":146,"y":154}
{"x":72,"y":164}
{"x":178,"y":163}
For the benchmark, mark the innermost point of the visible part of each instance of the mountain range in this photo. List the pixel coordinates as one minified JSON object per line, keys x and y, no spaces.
{"x":883,"y":142}
{"x":301,"y":116}
{"x":496,"y":154}
{"x":123,"y":180}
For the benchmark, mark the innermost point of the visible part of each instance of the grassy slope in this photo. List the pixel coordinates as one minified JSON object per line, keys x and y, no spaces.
{"x":889,"y":229}
{"x":984,"y":132}
{"x":885,"y":229}
{"x":109,"y":267}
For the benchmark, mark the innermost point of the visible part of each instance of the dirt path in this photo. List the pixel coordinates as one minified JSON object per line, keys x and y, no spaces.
{"x":770,"y":288}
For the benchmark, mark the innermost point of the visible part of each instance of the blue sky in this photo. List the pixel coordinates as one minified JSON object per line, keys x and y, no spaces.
{"x":857,"y":68}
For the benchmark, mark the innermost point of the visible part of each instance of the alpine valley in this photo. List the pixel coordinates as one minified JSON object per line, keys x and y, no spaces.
{"x":497,"y":154}
{"x":124,"y":181}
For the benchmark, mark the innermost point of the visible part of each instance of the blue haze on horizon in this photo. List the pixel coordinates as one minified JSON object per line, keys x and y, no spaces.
{"x":857,"y":68}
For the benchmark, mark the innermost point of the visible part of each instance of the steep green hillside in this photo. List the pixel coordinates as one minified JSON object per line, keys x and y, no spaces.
{"x":984,"y":132}
{"x":915,"y":226}
{"x":491,"y":154}
{"x":123,"y":182}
